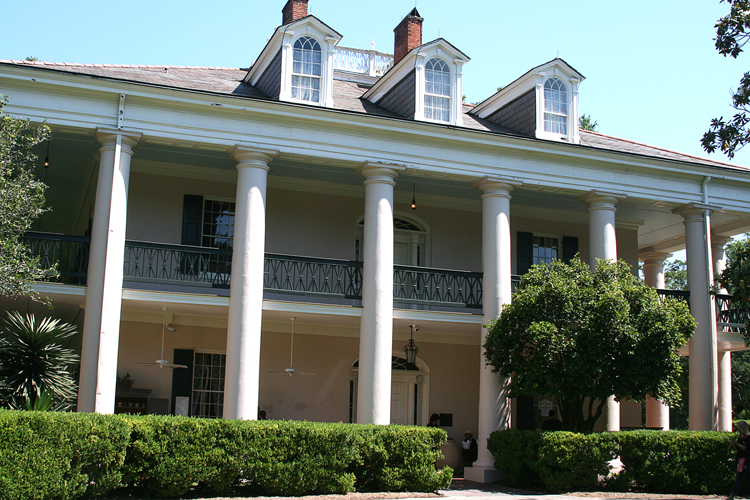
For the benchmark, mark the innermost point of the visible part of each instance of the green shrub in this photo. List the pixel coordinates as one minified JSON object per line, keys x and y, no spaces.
{"x":55,"y":455}
{"x":654,"y":461}
{"x":60,"y":455}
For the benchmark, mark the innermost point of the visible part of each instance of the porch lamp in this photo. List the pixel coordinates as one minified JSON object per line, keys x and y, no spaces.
{"x":46,"y":158}
{"x":410,"y":349}
{"x":414,"y":197}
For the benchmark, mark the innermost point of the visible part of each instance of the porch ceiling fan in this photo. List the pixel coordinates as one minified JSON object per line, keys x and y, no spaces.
{"x":161,"y":362}
{"x":291,"y":371}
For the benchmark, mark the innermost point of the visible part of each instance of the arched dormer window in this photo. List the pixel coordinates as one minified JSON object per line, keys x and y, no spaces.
{"x":306,"y":69}
{"x":437,"y":90}
{"x":555,"y":106}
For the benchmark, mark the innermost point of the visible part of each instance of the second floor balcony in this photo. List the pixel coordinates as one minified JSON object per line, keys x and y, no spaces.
{"x":208,"y":270}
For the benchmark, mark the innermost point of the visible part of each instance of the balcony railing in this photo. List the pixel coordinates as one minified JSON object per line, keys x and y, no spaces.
{"x":437,"y":286}
{"x":179,"y":264}
{"x":365,"y":62}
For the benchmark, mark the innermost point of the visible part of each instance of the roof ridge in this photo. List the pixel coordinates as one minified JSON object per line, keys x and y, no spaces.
{"x":102,"y":65}
{"x":665,"y":149}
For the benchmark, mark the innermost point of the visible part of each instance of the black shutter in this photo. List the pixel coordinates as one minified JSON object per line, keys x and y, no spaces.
{"x":192,"y":219}
{"x":524,"y":252}
{"x":525,"y":418}
{"x":192,"y":215}
{"x":570,"y":248}
{"x":182,"y":378}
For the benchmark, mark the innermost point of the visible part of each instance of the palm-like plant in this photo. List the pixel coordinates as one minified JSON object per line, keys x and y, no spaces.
{"x":34,"y":361}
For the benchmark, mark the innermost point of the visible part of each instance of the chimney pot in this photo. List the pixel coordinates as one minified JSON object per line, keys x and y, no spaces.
{"x":293,"y":10}
{"x":407,"y":35}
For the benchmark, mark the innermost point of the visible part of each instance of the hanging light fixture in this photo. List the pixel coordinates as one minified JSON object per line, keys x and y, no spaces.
{"x":46,"y":158}
{"x":411,"y":349}
{"x":414,"y":197}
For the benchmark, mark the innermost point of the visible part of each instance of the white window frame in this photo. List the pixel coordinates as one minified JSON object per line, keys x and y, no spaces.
{"x":455,"y":66}
{"x":203,"y":219}
{"x":303,"y":76}
{"x":571,"y":85}
{"x":559,"y":249}
{"x":551,"y":101}
{"x":222,"y":391}
{"x":438,"y":96}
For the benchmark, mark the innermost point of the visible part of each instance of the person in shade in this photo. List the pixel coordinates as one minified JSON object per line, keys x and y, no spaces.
{"x":434,"y":420}
{"x":552,"y":423}
{"x":742,"y":458}
{"x":469,"y":448}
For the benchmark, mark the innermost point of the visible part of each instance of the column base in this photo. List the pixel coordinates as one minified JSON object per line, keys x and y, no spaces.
{"x":482,"y":474}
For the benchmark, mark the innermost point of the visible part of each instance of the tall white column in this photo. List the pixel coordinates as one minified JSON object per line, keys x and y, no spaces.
{"x":376,"y":328}
{"x":101,"y":326}
{"x":657,"y":413}
{"x":724,"y":357}
{"x":494,"y":404}
{"x":246,"y":287}
{"x":603,"y":245}
{"x":704,"y":405}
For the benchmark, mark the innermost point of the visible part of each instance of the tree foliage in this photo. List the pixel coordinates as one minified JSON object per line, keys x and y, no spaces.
{"x":21,"y":201}
{"x":34,"y":362}
{"x":675,"y":274}
{"x":732,"y":33}
{"x":586,"y":123}
{"x":581,"y":335}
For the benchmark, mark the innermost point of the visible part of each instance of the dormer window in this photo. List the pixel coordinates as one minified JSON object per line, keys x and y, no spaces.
{"x":555,"y":106}
{"x":437,"y":90}
{"x":306,"y":69}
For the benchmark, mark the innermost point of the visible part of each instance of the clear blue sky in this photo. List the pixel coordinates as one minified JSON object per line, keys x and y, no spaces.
{"x":652,"y":73}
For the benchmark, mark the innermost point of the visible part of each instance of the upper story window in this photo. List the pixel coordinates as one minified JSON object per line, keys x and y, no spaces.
{"x":555,"y":106}
{"x":544,"y":249}
{"x":306,"y":69}
{"x":218,"y":224}
{"x":437,"y":90}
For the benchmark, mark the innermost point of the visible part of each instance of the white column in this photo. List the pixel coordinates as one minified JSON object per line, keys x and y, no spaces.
{"x":376,"y":327}
{"x":101,"y":326}
{"x":603,"y":245}
{"x":704,"y":405}
{"x":724,"y":357}
{"x":494,"y":404}
{"x":246,"y":287}
{"x":657,"y":413}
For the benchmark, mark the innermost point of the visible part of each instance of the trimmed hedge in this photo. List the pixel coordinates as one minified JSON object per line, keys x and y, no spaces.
{"x":654,"y":461}
{"x":69,"y":455}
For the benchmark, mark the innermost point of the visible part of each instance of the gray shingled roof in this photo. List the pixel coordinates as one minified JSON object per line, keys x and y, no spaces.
{"x":346,"y":95}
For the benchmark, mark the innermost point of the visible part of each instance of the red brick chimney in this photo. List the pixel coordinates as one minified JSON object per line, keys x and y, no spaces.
{"x":408,"y":35}
{"x":293,"y":10}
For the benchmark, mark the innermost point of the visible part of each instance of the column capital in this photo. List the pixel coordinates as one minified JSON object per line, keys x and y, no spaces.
{"x":247,"y":156}
{"x":655,"y":257}
{"x":496,"y":186}
{"x":601,"y":200}
{"x":694,"y":211}
{"x":380,"y":172}
{"x":108,"y":136}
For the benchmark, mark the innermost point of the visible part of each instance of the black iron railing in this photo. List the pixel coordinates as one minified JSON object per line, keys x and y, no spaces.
{"x":158,"y":262}
{"x":437,"y":286}
{"x":70,"y":253}
{"x":682,"y":295}
{"x":732,"y":314}
{"x":307,"y":275}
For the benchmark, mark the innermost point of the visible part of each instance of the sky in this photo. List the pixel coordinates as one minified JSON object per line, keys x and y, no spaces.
{"x":652,"y":72}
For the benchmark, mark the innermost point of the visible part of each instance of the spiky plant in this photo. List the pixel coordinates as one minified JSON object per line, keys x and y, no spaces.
{"x":35,"y":361}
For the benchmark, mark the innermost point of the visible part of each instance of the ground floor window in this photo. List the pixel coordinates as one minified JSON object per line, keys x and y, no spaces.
{"x":208,"y":384}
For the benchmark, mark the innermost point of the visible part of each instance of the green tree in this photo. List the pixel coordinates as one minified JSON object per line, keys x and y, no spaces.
{"x":586,"y":123}
{"x":21,"y":201}
{"x":34,"y":362}
{"x":732,"y":33}
{"x":581,"y":335}
{"x":675,"y":274}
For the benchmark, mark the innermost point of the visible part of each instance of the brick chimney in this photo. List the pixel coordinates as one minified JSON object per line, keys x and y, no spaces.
{"x":407,"y":35}
{"x":293,"y":10}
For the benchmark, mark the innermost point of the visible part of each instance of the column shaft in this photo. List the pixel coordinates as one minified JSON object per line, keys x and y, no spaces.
{"x":603,"y":245}
{"x":246,"y":288}
{"x":376,"y":327}
{"x":101,"y":327}
{"x":703,"y":412}
{"x":724,"y":357}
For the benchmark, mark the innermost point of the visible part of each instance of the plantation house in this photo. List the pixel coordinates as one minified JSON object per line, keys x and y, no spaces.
{"x":201,"y":215}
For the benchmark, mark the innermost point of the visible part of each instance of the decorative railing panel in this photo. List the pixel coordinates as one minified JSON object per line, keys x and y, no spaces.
{"x":365,"y":62}
{"x":69,"y":253}
{"x":682,"y":295}
{"x":177,"y":263}
{"x":437,"y":286}
{"x":287,"y":273}
{"x":731,"y":314}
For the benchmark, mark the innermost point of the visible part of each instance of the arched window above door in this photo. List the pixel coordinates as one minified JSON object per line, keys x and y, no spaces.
{"x":411,"y":241}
